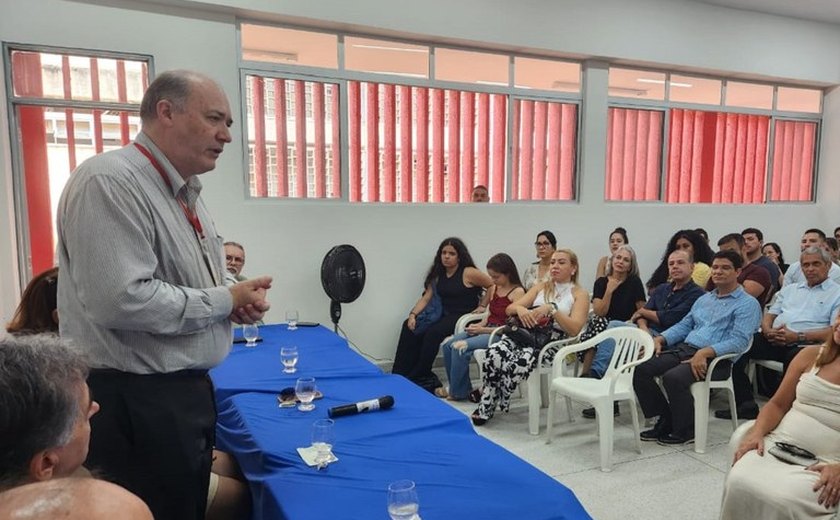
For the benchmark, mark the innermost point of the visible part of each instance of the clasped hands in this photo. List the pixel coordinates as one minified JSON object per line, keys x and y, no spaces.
{"x":780,"y":336}
{"x":249,"y":302}
{"x":533,"y":317}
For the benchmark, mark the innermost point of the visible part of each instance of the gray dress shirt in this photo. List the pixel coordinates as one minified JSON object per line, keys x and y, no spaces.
{"x":139,"y":291}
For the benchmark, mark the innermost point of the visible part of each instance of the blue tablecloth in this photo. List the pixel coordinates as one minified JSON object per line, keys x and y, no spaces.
{"x":459,"y":474}
{"x":322,"y":354}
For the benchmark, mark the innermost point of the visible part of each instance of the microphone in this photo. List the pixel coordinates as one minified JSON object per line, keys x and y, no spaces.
{"x":382,"y":403}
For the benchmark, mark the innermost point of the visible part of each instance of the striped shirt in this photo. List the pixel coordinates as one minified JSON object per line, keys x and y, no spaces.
{"x":135,"y":292}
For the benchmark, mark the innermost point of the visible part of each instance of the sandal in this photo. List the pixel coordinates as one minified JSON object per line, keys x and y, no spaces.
{"x":441,"y":392}
{"x":475,"y":396}
{"x":477,"y":420}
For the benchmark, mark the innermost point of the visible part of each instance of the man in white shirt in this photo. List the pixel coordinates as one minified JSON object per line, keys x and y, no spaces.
{"x":811,"y":237}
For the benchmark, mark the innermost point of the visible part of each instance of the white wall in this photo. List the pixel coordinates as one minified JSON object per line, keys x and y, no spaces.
{"x":288,"y":239}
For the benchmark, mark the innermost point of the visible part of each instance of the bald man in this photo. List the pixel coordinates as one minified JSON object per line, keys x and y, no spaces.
{"x":71,"y":499}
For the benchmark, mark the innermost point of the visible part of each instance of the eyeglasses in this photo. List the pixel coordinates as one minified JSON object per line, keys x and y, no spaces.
{"x":235,"y":259}
{"x":542,"y":244}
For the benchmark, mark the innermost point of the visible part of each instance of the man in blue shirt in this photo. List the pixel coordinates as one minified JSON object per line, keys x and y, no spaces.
{"x":801,"y":315}
{"x":720,"y":322}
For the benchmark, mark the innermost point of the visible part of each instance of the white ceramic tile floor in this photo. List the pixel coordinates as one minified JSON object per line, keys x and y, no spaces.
{"x":661,"y":482}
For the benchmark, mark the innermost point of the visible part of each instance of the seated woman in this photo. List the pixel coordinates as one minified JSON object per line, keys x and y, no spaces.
{"x":228,"y":496}
{"x":458,"y":349}
{"x":616,"y":296}
{"x":455,"y":280}
{"x":537,"y":272}
{"x":37,"y":311}
{"x":805,"y":412}
{"x":700,"y":252}
{"x":772,"y":251}
{"x":507,"y":364}
{"x":617,"y":238}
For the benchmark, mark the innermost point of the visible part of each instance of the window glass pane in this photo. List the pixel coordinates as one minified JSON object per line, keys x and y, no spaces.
{"x":417,"y":144}
{"x":749,"y":95}
{"x":639,"y":84}
{"x":293,"y":138}
{"x":793,"y":160}
{"x":471,"y":67}
{"x":386,"y":57}
{"x":716,"y":157}
{"x":560,"y":76}
{"x":73,"y":77}
{"x":799,"y":100}
{"x":544,"y":150}
{"x":289,"y":46}
{"x":634,"y":154}
{"x":689,"y":89}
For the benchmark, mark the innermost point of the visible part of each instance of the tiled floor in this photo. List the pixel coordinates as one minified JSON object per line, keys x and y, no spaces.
{"x":661,"y":482}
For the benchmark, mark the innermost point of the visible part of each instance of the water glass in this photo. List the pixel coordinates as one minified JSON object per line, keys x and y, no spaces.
{"x":289,"y":358}
{"x":305,"y":392}
{"x":402,"y":500}
{"x":250,"y":332}
{"x":292,"y":319}
{"x":323,"y":438}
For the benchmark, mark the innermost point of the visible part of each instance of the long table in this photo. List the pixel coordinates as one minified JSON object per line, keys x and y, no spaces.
{"x":459,"y":474}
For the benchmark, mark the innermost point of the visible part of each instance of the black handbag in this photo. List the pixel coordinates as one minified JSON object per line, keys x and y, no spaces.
{"x":530,"y":337}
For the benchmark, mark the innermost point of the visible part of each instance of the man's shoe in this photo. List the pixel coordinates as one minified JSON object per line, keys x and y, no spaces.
{"x":673,"y":439}
{"x":589,"y":413}
{"x":746,"y":411}
{"x":660,"y":429}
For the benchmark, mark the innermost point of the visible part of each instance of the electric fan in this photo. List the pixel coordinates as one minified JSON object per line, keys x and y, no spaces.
{"x":343,"y":278}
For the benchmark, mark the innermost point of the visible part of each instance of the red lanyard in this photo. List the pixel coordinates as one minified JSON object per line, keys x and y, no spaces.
{"x":192,"y":216}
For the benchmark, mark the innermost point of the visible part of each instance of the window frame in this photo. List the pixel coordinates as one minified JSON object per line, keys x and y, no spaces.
{"x":19,"y":195}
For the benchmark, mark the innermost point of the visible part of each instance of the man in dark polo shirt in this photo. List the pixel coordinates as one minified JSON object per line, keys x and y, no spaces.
{"x":754,"y":278}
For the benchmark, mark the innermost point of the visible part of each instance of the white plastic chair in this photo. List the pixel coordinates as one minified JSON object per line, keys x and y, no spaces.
{"x":538,"y":385}
{"x":766,"y":363}
{"x":700,"y":392}
{"x":632,"y":348}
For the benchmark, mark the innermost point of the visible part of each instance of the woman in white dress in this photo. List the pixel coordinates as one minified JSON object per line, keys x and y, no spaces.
{"x":805,"y":412}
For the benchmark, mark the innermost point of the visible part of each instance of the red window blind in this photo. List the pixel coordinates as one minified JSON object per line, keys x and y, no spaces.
{"x":634,"y":154}
{"x":793,"y":160}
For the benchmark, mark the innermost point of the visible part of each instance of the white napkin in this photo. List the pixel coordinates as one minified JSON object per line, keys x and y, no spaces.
{"x":309,"y":454}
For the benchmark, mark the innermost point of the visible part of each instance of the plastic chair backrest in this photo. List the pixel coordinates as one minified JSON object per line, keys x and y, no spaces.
{"x":632,"y":347}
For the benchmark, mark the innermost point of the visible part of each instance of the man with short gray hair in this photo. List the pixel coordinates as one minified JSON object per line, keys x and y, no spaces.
{"x":801,"y":315}
{"x":45,"y":409}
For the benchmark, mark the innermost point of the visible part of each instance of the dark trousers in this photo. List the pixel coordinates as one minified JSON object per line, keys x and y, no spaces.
{"x":677,"y":379}
{"x":761,"y":349}
{"x":154,"y":436}
{"x":416,"y":352}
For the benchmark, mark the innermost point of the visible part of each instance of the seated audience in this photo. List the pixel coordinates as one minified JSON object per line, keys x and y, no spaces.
{"x":811,"y":237}
{"x":453,"y":279}
{"x":617,"y":238}
{"x":699,"y":250}
{"x":754,"y":278}
{"x":720,"y":322}
{"x":458,"y":349}
{"x":772,"y":251}
{"x":801,"y":315}
{"x":37,"y":311}
{"x":616,"y":296}
{"x":480,"y":194}
{"x":235,"y":260}
{"x":753,"y":253}
{"x":537,"y":272}
{"x":45,"y":410}
{"x":833,"y":248}
{"x":72,"y":499}
{"x":559,"y":301}
{"x":668,"y":304}
{"x":805,"y":412}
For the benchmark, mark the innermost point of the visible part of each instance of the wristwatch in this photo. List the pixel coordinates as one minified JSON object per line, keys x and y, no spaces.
{"x":800,"y":337}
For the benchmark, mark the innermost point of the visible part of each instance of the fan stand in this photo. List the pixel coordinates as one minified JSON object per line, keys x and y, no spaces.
{"x":335,"y":313}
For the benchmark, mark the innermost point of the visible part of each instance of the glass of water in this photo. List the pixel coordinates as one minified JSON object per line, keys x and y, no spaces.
{"x":289,"y":358}
{"x":292,"y":318}
{"x":250,"y":332}
{"x":323,"y":438}
{"x":402,"y":500}
{"x":305,"y":392}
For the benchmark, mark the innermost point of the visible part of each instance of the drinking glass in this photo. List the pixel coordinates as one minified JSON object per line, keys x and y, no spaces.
{"x":250,"y":332}
{"x":305,"y":392}
{"x":323,"y":437}
{"x":289,"y":358}
{"x":402,"y":500}
{"x":292,"y":318}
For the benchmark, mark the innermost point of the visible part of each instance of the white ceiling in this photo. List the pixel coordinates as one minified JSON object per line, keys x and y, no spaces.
{"x":819,"y":10}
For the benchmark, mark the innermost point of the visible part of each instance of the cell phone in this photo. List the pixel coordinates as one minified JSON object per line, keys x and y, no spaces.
{"x":308,"y":324}
{"x":792,"y":454}
{"x":243,"y":340}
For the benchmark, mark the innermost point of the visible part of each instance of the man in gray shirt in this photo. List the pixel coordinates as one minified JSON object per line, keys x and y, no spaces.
{"x":142,"y":292}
